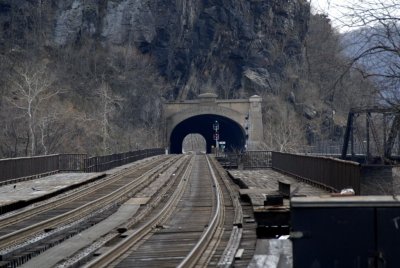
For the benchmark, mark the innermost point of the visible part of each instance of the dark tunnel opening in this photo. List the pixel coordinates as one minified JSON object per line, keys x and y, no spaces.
{"x":229,"y":131}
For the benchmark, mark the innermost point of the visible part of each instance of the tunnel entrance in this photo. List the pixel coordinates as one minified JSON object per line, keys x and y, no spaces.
{"x":195,"y":143}
{"x":229,"y":131}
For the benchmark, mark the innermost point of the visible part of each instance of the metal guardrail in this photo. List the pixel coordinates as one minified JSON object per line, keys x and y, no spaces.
{"x":71,"y":162}
{"x":332,"y":173}
{"x":25,"y":168}
{"x":256,"y":159}
{"x":247,"y":160}
{"x":13,"y":168}
{"x":105,"y":162}
{"x":229,"y":160}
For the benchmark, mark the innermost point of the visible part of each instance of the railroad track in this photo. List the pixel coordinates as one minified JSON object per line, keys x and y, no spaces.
{"x":195,"y":222}
{"x":11,"y":219}
{"x":104,"y":195}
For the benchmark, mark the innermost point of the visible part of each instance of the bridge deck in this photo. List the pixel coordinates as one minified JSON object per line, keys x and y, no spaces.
{"x":30,"y":190}
{"x":259,"y":183}
{"x":20,"y":194}
{"x":256,"y":186}
{"x":272,"y":221}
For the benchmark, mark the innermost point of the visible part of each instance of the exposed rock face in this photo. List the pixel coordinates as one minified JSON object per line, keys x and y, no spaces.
{"x":229,"y":46}
{"x":129,"y":21}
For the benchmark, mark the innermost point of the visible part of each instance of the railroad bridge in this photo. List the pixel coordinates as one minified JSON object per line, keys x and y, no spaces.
{"x":240,"y":121}
{"x":146,"y":209}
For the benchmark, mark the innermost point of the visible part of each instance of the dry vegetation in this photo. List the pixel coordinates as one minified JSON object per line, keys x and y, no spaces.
{"x":312,"y":105}
{"x":96,"y":98}
{"x":89,"y":100}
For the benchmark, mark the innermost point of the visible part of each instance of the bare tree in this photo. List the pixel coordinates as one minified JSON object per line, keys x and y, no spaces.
{"x":109,"y":101}
{"x":376,"y":43}
{"x":55,"y":128}
{"x":283,"y":130}
{"x":31,"y":89}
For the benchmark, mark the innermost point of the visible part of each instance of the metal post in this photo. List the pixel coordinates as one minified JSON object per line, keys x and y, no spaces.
{"x":347,"y":134}
{"x":393,"y":133}
{"x":216,"y":136}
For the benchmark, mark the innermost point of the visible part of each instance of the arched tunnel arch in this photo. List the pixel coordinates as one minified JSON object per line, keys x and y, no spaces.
{"x":194,"y":142}
{"x":229,"y":131}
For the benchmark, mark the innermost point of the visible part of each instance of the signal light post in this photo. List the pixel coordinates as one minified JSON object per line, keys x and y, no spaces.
{"x":216,"y":136}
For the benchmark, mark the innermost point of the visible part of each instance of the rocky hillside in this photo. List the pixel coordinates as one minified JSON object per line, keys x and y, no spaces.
{"x":232,"y":47}
{"x":104,"y":67}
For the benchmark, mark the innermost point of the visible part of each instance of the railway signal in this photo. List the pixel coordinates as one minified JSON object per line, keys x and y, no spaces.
{"x":216,"y":136}
{"x":216,"y":126}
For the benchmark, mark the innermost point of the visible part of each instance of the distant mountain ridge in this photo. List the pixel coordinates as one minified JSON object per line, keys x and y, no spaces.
{"x":377,"y":51}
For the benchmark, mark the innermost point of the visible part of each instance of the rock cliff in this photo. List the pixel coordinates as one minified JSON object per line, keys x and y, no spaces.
{"x":232,"y":47}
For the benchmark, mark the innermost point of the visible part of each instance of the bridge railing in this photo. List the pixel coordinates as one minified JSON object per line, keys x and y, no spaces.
{"x":24,"y":167}
{"x":246,"y":160}
{"x":105,"y":162}
{"x":256,"y":159}
{"x":71,"y":162}
{"x":332,"y":173}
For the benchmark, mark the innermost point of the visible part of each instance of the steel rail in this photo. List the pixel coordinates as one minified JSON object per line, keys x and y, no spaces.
{"x":238,"y":219}
{"x":198,"y":250}
{"x":154,"y":201}
{"x":21,"y":235}
{"x":119,"y":249}
{"x":81,"y":192}
{"x":228,"y":256}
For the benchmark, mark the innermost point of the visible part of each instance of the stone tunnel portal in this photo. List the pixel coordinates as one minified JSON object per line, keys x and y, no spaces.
{"x":229,"y":131}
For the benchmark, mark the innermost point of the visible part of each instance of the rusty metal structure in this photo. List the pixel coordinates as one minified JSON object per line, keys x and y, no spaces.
{"x":379,"y":135}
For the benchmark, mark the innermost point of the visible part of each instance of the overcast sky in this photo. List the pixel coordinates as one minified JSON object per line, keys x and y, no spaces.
{"x":325,"y":5}
{"x":337,"y":14}
{"x":329,"y":7}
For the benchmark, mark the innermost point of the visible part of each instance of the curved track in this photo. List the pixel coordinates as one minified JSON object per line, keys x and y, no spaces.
{"x":86,"y":202}
{"x":192,"y":218}
{"x":193,"y":225}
